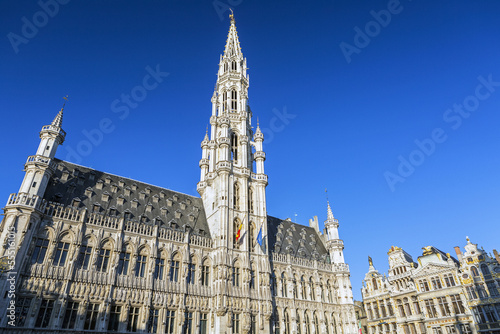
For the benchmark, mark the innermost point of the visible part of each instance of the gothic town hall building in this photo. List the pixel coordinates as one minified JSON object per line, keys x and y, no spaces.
{"x":88,"y":251}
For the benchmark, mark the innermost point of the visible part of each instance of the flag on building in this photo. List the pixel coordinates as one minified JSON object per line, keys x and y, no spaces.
{"x":238,"y":234}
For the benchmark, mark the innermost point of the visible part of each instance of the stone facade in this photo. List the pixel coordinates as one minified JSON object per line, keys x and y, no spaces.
{"x":85,"y":250}
{"x":429,"y":296}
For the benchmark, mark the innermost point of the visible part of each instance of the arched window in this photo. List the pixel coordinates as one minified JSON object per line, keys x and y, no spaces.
{"x":191,"y":275}
{"x":311,"y":287}
{"x":407,"y":306}
{"x":326,"y":325}
{"x":250,"y":200}
{"x":142,"y":260}
{"x":334,"y":325}
{"x":252,"y":237}
{"x":276,"y":322}
{"x":85,"y":254}
{"x":224,"y":101}
{"x":234,"y":148}
{"x":160,"y":267}
{"x":307,"y":324}
{"x":174,"y":268}
{"x":234,"y":100}
{"x":236,"y":277}
{"x":475,"y":273}
{"x":225,"y":67}
{"x":374,"y":282}
{"x":299,"y":325}
{"x":236,"y":196}
{"x":124,"y":261}
{"x":252,"y":276}
{"x":316,"y":324}
{"x":283,"y":285}
{"x":234,"y":65}
{"x":486,"y":271}
{"x":205,"y":273}
{"x":41,"y":247}
{"x":103,"y":257}
{"x":274,"y":287}
{"x":287,"y":322}
{"x":400,"y":308}
{"x":61,"y":252}
{"x":304,"y":289}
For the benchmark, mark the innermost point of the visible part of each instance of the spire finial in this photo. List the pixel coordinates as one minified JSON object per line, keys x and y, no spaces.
{"x":257,"y":121}
{"x":231,"y":16}
{"x":206,"y":132}
{"x":370,"y":261}
{"x":59,"y":117}
{"x":64,"y":103}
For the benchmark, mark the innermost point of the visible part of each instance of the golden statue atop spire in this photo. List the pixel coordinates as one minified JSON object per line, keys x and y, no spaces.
{"x":231,"y":16}
{"x":64,"y":103}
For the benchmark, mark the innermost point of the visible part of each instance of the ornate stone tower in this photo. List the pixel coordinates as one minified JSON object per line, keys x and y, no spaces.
{"x":233,"y":189}
{"x":232,"y":183}
{"x":24,"y":210}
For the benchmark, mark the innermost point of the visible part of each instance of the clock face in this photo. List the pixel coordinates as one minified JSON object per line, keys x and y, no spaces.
{"x":465,"y":276}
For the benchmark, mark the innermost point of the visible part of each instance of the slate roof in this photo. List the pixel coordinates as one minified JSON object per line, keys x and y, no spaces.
{"x":83,"y":187}
{"x":287,"y":237}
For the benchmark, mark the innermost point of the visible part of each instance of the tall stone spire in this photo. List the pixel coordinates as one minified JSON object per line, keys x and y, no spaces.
{"x":39,"y":167}
{"x":334,"y":243}
{"x":232,"y":182}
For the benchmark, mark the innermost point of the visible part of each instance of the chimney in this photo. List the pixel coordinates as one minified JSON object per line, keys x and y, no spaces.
{"x":459,"y":253}
{"x":497,"y":257}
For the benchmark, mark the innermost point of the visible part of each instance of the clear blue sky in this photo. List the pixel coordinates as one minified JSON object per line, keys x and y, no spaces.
{"x":360,"y":102}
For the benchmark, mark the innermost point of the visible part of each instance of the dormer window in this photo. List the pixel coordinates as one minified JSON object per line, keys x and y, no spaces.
{"x":148,"y":190}
{"x":142,"y":195}
{"x":182,"y":205}
{"x":76,"y":172}
{"x":144,"y":219}
{"x":108,"y":180}
{"x":134,"y":187}
{"x":149,"y":207}
{"x":188,"y":201}
{"x":76,"y":202}
{"x":105,"y":196}
{"x":127,"y":191}
{"x":178,"y":214}
{"x":92,"y":176}
{"x":120,"y":200}
{"x":164,"y":211}
{"x":121,"y":183}
{"x":81,"y":179}
{"x":112,"y":211}
{"x":162,"y":194}
{"x":99,"y":184}
{"x":191,"y":217}
{"x":96,"y":208}
{"x":127,"y":215}
{"x":88,"y":192}
{"x":156,"y":198}
{"x":114,"y":188}
{"x":169,"y":202}
{"x":176,"y":198}
{"x":64,"y":176}
{"x":134,"y":203}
